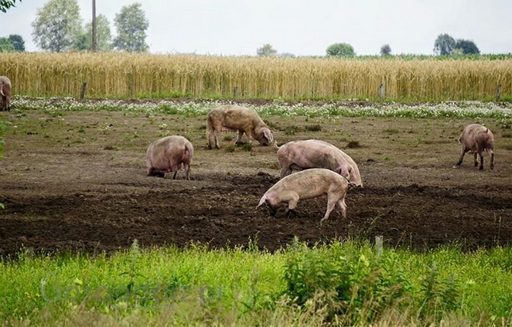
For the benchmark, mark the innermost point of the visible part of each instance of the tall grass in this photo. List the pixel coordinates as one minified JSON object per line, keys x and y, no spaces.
{"x":339,"y":284}
{"x":116,"y":75}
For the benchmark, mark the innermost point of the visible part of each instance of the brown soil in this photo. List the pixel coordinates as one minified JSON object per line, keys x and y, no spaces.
{"x":78,"y":182}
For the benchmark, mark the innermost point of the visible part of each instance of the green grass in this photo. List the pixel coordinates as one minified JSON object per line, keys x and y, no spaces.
{"x":342,"y":283}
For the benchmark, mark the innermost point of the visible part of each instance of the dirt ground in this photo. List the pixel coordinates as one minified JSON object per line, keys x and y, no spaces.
{"x":77,"y":181}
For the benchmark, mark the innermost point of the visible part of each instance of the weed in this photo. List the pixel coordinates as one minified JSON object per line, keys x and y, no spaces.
{"x":353,"y":145}
{"x":313,"y":128}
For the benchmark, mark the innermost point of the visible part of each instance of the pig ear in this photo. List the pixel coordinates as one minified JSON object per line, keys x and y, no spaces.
{"x":268,"y":135}
{"x":344,"y":171}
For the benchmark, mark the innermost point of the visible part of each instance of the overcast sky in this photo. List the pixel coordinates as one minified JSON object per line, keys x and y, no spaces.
{"x":300,"y":27}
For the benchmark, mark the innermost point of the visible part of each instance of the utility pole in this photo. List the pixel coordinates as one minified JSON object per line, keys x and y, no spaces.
{"x":93,"y":48}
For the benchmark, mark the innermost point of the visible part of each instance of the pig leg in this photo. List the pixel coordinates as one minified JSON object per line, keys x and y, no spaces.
{"x":292,"y":204}
{"x":174,"y":176}
{"x":187,"y":171}
{"x":332,"y":199}
{"x":463,"y":152}
{"x":491,"y":152}
{"x":239,"y":138}
{"x":481,"y":155}
{"x":476,"y":162}
{"x":343,"y":207}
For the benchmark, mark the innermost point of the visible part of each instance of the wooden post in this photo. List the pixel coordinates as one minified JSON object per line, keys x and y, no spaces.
{"x":93,"y":43}
{"x":82,"y":90}
{"x":378,"y":245}
{"x":498,"y":92}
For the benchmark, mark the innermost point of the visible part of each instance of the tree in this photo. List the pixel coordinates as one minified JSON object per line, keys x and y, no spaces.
{"x":266,"y":51}
{"x":131,"y":25}
{"x":103,"y":34}
{"x":385,"y":50}
{"x":444,"y":44}
{"x":340,"y":50}
{"x":17,"y":42}
{"x":57,"y":25}
{"x":6,"y":4}
{"x":467,"y":47}
{"x":6,"y":45}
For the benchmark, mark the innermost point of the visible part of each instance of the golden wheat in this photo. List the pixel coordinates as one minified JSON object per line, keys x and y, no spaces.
{"x":120,"y":75}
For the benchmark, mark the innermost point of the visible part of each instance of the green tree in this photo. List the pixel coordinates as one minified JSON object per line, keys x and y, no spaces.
{"x":266,"y":51}
{"x":131,"y":25}
{"x":6,"y":45}
{"x":17,"y":42}
{"x":6,"y":4}
{"x":57,"y":25}
{"x":340,"y":50}
{"x":467,"y":47}
{"x":444,"y":44}
{"x":103,"y":34}
{"x":385,"y":50}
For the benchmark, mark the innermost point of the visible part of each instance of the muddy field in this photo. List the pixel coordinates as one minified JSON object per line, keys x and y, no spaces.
{"x":77,"y":181}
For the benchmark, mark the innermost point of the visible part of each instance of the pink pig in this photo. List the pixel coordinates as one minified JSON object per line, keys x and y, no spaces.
{"x":169,"y":154}
{"x":300,"y":155}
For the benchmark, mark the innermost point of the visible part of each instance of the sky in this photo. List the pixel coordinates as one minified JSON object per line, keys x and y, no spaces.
{"x":299,"y":27}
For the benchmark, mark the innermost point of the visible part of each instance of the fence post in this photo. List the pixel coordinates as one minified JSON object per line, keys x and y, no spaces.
{"x":379,"y":245}
{"x":498,"y":92}
{"x":83,"y":89}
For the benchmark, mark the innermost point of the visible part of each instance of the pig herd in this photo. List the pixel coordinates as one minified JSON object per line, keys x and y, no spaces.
{"x":323,"y":169}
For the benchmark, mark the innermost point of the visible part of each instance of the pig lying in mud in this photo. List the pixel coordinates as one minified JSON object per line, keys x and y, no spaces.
{"x":169,"y":154}
{"x":476,"y":138}
{"x":307,"y":184}
{"x":5,"y":93}
{"x":237,"y":118}
{"x":300,"y":155}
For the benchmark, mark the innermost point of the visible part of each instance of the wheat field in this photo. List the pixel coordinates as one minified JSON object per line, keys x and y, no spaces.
{"x":122,"y":75}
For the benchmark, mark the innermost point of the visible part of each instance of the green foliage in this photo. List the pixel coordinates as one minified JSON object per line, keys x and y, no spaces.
{"x":17,"y":42}
{"x":340,"y":50}
{"x":6,"y":4}
{"x":131,"y":25}
{"x":385,"y":50}
{"x":340,"y":284}
{"x":266,"y":51}
{"x":467,"y":47}
{"x":444,"y":44}
{"x":57,"y":25}
{"x":103,"y":34}
{"x":6,"y":45}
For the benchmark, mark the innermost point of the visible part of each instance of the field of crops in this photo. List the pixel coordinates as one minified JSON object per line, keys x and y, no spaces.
{"x":116,"y":75}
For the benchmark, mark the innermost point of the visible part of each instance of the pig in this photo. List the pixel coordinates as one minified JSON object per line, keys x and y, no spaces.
{"x":5,"y":93}
{"x":307,"y":184}
{"x":300,"y":155}
{"x":476,"y":138}
{"x":169,"y":154}
{"x":237,"y":118}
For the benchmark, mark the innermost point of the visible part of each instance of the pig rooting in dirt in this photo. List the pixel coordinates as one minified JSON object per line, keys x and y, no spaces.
{"x":300,"y":155}
{"x":240,"y":119}
{"x":307,"y":184}
{"x":5,"y":93}
{"x":476,"y":139}
{"x":169,"y":154}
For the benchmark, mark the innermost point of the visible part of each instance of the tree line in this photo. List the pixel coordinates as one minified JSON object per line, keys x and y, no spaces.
{"x":58,"y":27}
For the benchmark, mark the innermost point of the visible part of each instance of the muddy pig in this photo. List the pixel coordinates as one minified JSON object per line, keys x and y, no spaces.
{"x":5,"y":93}
{"x":307,"y":184}
{"x":476,"y":138}
{"x":237,"y":118}
{"x":300,"y":155}
{"x":169,"y":154}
